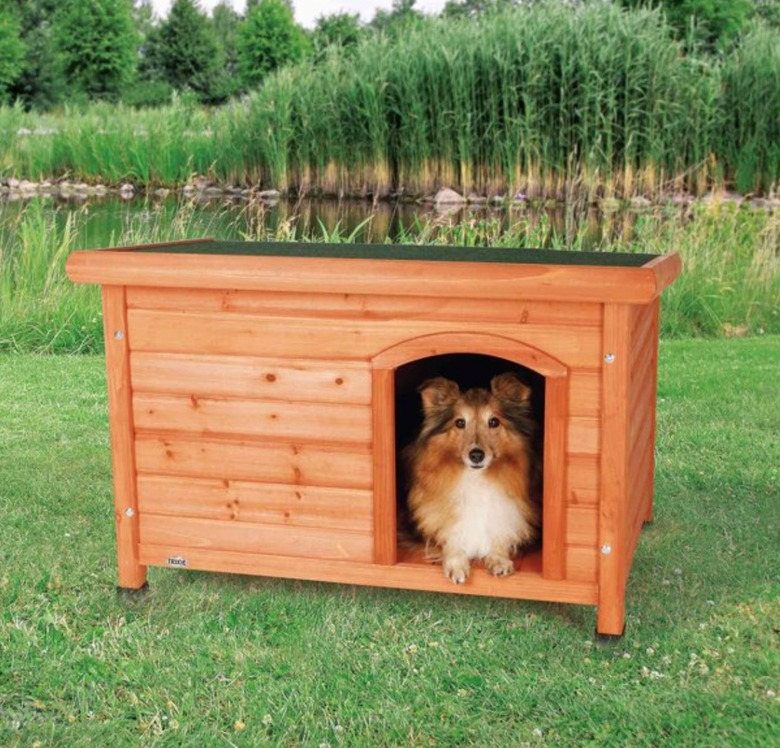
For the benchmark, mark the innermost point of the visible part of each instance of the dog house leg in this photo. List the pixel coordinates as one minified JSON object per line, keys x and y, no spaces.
{"x":131,"y":574}
{"x":611,"y":622}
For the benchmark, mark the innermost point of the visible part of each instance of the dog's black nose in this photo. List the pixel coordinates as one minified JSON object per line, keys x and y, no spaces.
{"x":476,"y":455}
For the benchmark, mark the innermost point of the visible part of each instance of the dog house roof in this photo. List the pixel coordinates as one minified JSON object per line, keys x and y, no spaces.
{"x":406,"y":252}
{"x":493,"y":273}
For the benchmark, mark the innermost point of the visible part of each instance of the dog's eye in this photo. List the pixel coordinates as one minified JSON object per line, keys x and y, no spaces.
{"x":460,"y":423}
{"x":493,"y":423}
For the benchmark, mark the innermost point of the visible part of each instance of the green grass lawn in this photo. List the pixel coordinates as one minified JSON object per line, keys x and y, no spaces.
{"x":209,"y":659}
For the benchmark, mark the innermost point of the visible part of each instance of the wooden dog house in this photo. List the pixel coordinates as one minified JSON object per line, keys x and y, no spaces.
{"x":252,"y":395}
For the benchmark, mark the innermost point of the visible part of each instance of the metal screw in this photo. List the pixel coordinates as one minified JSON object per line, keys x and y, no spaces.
{"x":606,"y":550}
{"x":129,"y":512}
{"x":118,"y":335}
{"x":609,"y":358}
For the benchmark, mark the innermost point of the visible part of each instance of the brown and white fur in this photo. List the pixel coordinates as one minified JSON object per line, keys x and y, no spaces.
{"x":470,"y":474}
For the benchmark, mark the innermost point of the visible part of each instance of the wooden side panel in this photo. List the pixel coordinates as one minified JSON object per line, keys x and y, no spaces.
{"x":131,"y":572}
{"x":641,"y":432}
{"x":652,"y":387}
{"x":282,"y":379}
{"x":259,"y":503}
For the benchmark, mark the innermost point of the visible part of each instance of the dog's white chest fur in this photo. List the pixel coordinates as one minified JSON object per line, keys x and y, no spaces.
{"x":485,"y":515}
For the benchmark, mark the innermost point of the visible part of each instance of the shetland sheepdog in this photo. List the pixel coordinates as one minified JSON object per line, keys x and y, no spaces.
{"x":471,"y":473}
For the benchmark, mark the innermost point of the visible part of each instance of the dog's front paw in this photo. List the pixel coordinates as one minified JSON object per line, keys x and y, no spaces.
{"x":457,"y":569}
{"x":499,"y":566}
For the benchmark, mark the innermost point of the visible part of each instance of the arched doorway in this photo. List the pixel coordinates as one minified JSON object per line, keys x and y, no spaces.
{"x":471,"y":360}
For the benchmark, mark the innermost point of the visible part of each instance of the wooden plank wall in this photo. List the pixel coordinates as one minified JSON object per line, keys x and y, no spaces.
{"x":253,"y":412}
{"x":243,"y":451}
{"x":641,"y":407}
{"x":583,"y":467}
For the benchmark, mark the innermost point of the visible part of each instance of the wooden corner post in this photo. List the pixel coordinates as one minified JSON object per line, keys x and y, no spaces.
{"x":612,"y":542}
{"x":131,"y":574}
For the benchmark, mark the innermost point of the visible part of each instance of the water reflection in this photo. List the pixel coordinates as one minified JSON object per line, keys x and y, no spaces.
{"x":109,"y":221}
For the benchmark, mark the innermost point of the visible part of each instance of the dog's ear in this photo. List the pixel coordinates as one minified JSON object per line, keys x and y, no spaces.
{"x":508,"y":387}
{"x":438,"y":393}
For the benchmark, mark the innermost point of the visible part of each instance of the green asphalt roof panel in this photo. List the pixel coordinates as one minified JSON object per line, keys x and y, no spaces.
{"x":404,"y":252}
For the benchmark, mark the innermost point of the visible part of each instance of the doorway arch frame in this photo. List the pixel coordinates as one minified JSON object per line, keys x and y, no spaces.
{"x":556,"y":411}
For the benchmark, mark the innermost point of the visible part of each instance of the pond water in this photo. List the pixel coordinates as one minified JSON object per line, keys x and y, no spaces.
{"x":102,"y":222}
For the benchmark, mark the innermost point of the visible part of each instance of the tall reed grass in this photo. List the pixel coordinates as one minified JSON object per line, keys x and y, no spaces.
{"x":750,"y":107}
{"x":543,"y":99}
{"x":40,"y":309}
{"x":730,"y":283}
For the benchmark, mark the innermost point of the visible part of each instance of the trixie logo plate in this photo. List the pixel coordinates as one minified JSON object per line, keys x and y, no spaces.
{"x":178,"y":561}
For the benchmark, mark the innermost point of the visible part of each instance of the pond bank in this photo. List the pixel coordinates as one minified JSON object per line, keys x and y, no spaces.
{"x":202,"y":189}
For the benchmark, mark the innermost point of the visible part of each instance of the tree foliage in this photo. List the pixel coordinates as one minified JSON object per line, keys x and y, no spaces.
{"x":474,"y":8}
{"x":40,"y":83}
{"x":53,"y":50}
{"x":769,"y":11}
{"x":713,"y":23}
{"x":340,"y":30}
{"x":96,"y":41}
{"x":12,"y":52}
{"x":186,"y":53}
{"x":401,"y":16}
{"x":225,"y":22}
{"x":267,"y":39}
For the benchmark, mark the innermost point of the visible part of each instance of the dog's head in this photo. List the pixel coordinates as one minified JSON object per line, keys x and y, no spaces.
{"x":477,"y":426}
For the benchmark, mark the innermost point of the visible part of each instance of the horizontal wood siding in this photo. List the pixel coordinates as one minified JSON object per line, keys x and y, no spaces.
{"x":227,"y":333}
{"x":583,"y":481}
{"x":280,"y":421}
{"x":581,"y":564}
{"x":256,"y":460}
{"x":363,"y":306}
{"x":584,"y":435}
{"x":255,"y":408}
{"x":263,"y":503}
{"x":245,"y":537}
{"x":258,"y":451}
{"x":582,"y":465}
{"x":585,"y":393}
{"x":415,"y":576}
{"x":582,"y":526}
{"x":284,"y":379}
